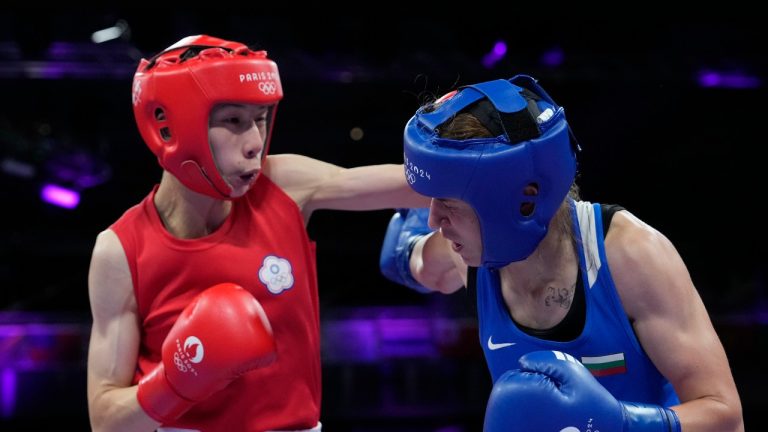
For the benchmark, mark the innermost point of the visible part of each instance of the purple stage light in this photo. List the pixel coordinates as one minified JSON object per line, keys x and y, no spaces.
{"x":500,"y":48}
{"x":78,"y":168}
{"x":498,"y":52}
{"x":736,"y":80}
{"x":29,"y":345}
{"x":60,"y":196}
{"x":553,"y":57}
{"x":378,"y":334}
{"x":7,"y":392}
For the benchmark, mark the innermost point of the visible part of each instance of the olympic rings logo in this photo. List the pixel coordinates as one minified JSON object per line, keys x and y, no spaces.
{"x":276,"y":273}
{"x":410,"y":177}
{"x":268,"y":87}
{"x":281,"y":278}
{"x":179,"y":362}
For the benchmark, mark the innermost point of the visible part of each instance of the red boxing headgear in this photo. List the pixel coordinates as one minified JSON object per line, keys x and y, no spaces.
{"x":174,"y":92}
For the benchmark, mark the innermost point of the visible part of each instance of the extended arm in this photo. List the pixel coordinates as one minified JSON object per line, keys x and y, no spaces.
{"x":672,"y":325}
{"x":314,"y":185}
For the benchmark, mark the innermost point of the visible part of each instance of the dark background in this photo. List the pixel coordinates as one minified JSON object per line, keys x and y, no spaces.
{"x":683,"y":156}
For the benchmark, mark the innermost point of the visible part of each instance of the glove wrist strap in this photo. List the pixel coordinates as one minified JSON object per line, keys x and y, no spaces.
{"x":649,"y":418}
{"x":158,"y":399}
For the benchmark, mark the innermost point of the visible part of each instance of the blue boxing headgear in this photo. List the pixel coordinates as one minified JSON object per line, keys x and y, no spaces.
{"x":532,"y":145}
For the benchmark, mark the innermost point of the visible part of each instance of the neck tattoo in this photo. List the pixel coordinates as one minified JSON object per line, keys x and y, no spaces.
{"x":559,"y":296}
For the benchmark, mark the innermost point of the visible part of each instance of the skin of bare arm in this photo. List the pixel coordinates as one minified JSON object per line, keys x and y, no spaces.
{"x":114,"y":343}
{"x":673,"y":325}
{"x":435,"y":266}
{"x":315,"y":184}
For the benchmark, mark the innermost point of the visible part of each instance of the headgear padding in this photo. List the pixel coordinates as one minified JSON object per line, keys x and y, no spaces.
{"x":532,"y":145}
{"x":174,"y":92}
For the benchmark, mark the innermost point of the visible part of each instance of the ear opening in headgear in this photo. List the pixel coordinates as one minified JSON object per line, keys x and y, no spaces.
{"x":528,"y":208}
{"x":165,"y":134}
{"x":165,"y":131}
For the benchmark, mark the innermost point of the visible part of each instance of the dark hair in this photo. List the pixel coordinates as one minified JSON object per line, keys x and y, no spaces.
{"x":464,"y":126}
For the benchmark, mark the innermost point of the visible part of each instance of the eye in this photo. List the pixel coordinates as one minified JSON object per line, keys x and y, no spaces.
{"x":232,"y":120}
{"x":447,"y":206}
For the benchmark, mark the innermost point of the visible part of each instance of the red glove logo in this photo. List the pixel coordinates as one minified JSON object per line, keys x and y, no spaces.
{"x":194,"y":349}
{"x":191,"y":352}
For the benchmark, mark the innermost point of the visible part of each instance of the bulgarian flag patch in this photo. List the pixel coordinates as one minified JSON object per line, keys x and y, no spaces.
{"x":611,"y":364}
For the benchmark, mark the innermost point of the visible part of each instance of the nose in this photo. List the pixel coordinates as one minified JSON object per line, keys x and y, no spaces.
{"x":254,"y":143}
{"x":435,"y":216}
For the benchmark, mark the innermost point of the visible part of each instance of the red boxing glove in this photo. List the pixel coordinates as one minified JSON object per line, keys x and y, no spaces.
{"x":220,"y":335}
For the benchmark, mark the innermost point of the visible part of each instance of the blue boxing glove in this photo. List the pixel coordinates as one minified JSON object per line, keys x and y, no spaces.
{"x":553,"y":392}
{"x":405,"y":228}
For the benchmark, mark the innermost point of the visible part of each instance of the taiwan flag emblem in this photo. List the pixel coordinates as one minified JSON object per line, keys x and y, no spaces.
{"x":611,"y":364}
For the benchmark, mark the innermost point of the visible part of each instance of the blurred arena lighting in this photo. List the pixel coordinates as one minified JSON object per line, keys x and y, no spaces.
{"x":60,"y":196}
{"x":376,"y":334}
{"x":17,"y":168}
{"x":68,"y":59}
{"x":78,"y":168}
{"x":356,"y":133}
{"x":722,"y":79}
{"x":32,"y":346}
{"x":498,"y":52}
{"x":553,"y":57}
{"x":120,"y":29}
{"x":7,"y":392}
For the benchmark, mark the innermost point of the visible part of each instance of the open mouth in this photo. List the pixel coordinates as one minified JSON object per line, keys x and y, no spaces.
{"x":249,"y":177}
{"x":456,"y":246}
